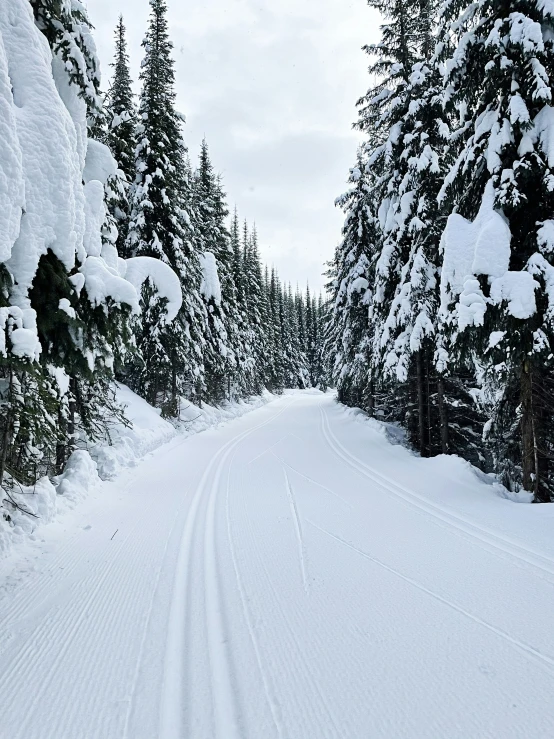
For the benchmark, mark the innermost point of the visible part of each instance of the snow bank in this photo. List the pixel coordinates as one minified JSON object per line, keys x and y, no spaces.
{"x":147,"y":430}
{"x":45,"y":501}
{"x":85,"y":470}
{"x":423,"y":471}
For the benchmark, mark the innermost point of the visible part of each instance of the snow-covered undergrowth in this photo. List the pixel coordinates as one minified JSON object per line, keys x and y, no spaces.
{"x":27,"y":508}
{"x":451,"y":464}
{"x":148,"y":430}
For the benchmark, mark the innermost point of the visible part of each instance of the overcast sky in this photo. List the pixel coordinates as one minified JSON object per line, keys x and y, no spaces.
{"x":272,"y":84}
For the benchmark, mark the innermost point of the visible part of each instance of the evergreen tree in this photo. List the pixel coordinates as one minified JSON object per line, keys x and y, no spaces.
{"x":121,"y":121}
{"x":496,"y":308}
{"x":218,"y":286}
{"x":349,"y":335}
{"x":68,"y":31}
{"x":255,"y":309}
{"x":276,"y":371}
{"x":160,"y":227}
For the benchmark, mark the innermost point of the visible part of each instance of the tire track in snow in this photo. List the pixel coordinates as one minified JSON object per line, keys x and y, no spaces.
{"x":461,"y":524}
{"x":297,"y":531}
{"x":173,"y":689}
{"x":529,"y":651}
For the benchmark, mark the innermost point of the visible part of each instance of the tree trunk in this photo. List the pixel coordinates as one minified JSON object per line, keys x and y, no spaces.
{"x":6,"y":436}
{"x":71,"y":420}
{"x":370,"y":399}
{"x":421,"y":402}
{"x":530,"y":437}
{"x":443,"y":415}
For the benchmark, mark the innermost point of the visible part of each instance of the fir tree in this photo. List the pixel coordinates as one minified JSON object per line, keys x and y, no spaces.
{"x":498,"y":61}
{"x":212,"y":238}
{"x":121,"y":123}
{"x":349,"y":335}
{"x":160,"y":225}
{"x":68,"y":31}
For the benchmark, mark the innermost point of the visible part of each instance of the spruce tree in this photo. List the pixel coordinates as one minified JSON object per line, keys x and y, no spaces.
{"x":121,"y":121}
{"x":160,"y":227}
{"x":349,"y":333}
{"x":218,"y":286}
{"x":255,"y":309}
{"x":68,"y":31}
{"x":496,"y":307}
{"x":276,"y":371}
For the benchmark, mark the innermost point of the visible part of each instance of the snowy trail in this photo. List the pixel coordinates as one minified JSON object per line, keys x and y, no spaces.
{"x":291,"y":575}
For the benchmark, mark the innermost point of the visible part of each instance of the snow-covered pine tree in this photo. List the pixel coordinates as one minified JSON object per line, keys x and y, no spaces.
{"x":256,"y":309}
{"x":276,"y":371}
{"x":348,"y":340}
{"x":244,"y":364}
{"x":496,"y":286}
{"x":295,"y":364}
{"x":160,"y":227}
{"x":67,"y":305}
{"x":321,"y":377}
{"x":66,"y":25}
{"x":121,"y":122}
{"x":403,"y":120}
{"x":302,"y":313}
{"x":218,"y":286}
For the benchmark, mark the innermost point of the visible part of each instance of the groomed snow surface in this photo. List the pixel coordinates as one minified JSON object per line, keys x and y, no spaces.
{"x":293,"y":574}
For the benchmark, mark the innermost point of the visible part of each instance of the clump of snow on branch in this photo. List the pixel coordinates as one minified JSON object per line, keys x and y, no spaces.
{"x":210,"y":286}
{"x":482,"y":248}
{"x":53,"y":182}
{"x":138,"y":270}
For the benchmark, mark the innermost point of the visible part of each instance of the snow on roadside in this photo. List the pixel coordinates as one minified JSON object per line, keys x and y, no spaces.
{"x":148,"y":430}
{"x":459,"y":469}
{"x":85,"y":470}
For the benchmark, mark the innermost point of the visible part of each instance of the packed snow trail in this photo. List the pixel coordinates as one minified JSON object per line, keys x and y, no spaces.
{"x":291,"y":575}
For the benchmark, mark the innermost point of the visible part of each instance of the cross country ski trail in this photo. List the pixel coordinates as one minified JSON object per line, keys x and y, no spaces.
{"x":292,"y":575}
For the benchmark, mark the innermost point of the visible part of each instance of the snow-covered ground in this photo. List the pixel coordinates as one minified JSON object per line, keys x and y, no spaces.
{"x":291,"y":574}
{"x":143,"y":432}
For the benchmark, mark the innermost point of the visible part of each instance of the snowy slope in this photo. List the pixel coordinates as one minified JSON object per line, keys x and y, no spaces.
{"x":291,"y":575}
{"x":128,"y":443}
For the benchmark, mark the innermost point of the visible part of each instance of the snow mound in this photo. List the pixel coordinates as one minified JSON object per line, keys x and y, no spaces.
{"x":471,"y":484}
{"x":79,"y":476}
{"x":146,"y":431}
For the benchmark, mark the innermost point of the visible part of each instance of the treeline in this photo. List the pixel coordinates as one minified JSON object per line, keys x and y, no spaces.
{"x":442,"y":287}
{"x":238,"y":330}
{"x":118,"y":259}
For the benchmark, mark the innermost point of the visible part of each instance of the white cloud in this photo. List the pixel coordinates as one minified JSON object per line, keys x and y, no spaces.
{"x":273,"y":87}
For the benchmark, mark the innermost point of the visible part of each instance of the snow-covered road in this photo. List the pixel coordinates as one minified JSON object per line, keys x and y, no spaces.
{"x":290,"y":575}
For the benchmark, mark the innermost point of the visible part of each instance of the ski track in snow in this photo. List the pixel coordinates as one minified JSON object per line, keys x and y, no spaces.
{"x":267,"y":581}
{"x":462,"y":525}
{"x":298,"y":532}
